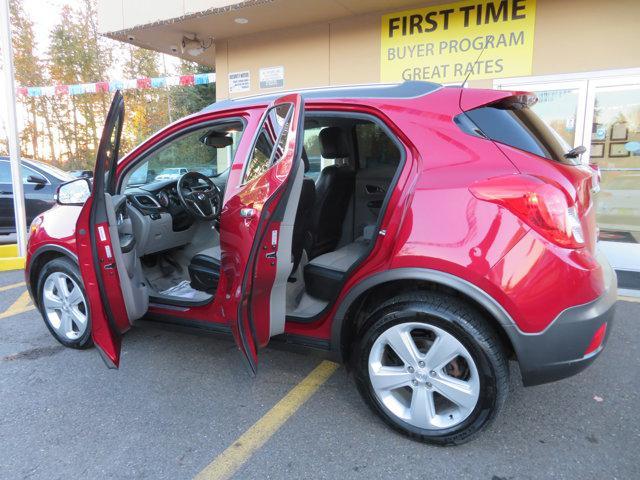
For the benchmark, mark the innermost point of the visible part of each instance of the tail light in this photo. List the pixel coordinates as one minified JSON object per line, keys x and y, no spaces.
{"x":542,"y":206}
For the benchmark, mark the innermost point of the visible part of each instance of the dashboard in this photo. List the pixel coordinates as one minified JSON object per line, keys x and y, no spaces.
{"x":159,"y":220}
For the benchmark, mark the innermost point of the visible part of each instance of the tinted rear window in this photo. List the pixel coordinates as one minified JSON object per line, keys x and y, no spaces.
{"x":515,"y":124}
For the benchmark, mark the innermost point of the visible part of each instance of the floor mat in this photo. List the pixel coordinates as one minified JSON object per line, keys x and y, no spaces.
{"x":185,"y":291}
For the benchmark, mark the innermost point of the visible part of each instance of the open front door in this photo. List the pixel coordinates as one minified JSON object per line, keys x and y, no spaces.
{"x":96,"y":255}
{"x":256,"y":229}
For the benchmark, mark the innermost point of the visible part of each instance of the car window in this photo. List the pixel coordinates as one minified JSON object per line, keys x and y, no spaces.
{"x":26,"y":172}
{"x":5,"y":173}
{"x":513,"y":123}
{"x":271,"y":141}
{"x":209,"y":150}
{"x":314,"y":152}
{"x":375,"y":148}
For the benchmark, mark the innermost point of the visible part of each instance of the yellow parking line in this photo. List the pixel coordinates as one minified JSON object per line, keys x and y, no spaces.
{"x":629,"y":299}
{"x":13,"y":285}
{"x":21,"y":305}
{"x":229,"y":461}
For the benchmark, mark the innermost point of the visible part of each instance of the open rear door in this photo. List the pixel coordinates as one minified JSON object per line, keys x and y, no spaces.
{"x":256,"y":229}
{"x":108,"y":313}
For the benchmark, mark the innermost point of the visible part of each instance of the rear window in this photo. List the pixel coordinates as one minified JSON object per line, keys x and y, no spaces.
{"x":513,"y":123}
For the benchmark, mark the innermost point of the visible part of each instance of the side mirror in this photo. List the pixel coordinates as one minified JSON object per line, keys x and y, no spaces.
{"x":37,"y":179}
{"x":74,"y":192}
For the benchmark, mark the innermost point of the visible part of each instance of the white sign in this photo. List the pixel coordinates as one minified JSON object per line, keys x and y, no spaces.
{"x":239,"y":82}
{"x":272,"y":77}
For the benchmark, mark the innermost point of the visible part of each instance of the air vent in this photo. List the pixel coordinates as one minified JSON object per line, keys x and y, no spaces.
{"x":146,"y":201}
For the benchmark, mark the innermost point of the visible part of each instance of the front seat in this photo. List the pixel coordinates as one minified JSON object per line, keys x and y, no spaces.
{"x":302,"y":228}
{"x":334,"y":189}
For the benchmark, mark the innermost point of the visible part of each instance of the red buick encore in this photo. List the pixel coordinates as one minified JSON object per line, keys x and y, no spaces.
{"x":422,"y":235}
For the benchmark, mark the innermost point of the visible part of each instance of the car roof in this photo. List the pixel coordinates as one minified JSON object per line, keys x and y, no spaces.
{"x":409,"y":89}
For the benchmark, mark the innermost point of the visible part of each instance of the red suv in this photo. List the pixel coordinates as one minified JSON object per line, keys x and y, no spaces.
{"x":447,"y":231}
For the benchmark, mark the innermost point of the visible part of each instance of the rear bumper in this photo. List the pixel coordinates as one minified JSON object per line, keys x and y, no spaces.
{"x":559,"y":351}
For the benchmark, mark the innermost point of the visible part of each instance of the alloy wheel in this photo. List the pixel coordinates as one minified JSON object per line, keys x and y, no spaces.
{"x":424,"y":375}
{"x":65,"y":305}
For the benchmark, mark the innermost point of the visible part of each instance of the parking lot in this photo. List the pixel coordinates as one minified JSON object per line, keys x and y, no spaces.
{"x":178,"y":401}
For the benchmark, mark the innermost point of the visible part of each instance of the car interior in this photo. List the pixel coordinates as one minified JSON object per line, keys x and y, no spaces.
{"x":167,"y":227}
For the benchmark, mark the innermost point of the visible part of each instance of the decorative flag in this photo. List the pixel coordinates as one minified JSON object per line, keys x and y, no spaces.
{"x":133,"y":83}
{"x":143,"y":82}
{"x":173,"y":81}
{"x":89,"y":87}
{"x":201,"y":78}
{"x":158,"y":82}
{"x":102,"y":87}
{"x":130,"y":83}
{"x":186,"y":80}
{"x":76,"y":89}
{"x":116,"y":85}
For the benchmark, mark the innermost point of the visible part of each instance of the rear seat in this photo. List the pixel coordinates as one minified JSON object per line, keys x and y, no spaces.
{"x":323,"y":276}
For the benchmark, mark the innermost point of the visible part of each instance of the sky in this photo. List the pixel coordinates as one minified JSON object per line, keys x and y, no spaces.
{"x":45,"y":14}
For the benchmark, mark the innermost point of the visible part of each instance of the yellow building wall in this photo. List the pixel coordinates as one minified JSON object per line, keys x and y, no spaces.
{"x":570,"y":36}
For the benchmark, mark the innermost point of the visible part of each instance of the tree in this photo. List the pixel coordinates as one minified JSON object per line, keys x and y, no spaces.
{"x":28,"y":71}
{"x":188,"y":100}
{"x":145,"y":109}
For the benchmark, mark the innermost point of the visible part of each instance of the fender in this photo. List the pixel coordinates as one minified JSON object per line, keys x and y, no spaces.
{"x":463,"y":286}
{"x":34,"y":257}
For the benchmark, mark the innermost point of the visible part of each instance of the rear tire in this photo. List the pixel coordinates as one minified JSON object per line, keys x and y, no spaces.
{"x":63,"y":303}
{"x":446,"y":376}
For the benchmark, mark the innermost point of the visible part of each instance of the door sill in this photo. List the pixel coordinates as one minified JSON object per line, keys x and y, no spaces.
{"x":177,"y":302}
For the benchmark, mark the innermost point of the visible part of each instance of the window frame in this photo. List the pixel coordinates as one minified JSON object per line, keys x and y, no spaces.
{"x":256,"y":136}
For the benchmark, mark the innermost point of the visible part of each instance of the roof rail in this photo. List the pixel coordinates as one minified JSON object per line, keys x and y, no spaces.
{"x":408,"y":89}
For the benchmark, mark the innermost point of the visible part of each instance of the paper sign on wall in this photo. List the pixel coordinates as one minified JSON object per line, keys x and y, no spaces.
{"x":272,"y":77}
{"x":239,"y":82}
{"x":441,"y":43}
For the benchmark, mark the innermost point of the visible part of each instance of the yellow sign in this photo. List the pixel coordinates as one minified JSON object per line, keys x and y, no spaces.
{"x":441,"y":43}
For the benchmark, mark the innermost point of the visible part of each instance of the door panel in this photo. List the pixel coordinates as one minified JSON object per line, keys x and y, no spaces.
{"x":256,"y":229}
{"x":132,"y":283}
{"x":101,"y":268}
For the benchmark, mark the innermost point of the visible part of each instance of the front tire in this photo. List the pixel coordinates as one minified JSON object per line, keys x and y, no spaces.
{"x":431,"y":367}
{"x":63,"y":303}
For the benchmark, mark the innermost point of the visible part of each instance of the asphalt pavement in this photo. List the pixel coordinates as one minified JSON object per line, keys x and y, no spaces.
{"x":179,"y":400}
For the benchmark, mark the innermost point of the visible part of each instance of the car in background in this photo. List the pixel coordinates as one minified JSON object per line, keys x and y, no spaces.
{"x":171,"y":173}
{"x":39,"y":182}
{"x":81,"y":173}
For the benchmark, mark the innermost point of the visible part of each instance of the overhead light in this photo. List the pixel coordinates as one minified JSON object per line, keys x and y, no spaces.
{"x":194,"y":46}
{"x":241,"y":20}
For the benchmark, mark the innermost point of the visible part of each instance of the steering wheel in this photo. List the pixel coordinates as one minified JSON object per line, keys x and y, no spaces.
{"x":200,"y":201}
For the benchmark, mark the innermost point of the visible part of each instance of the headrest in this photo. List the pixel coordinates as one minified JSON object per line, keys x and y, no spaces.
{"x":333,"y":143}
{"x":305,"y":160}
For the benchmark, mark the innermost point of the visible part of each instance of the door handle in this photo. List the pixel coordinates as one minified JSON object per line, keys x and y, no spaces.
{"x":247,"y":212}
